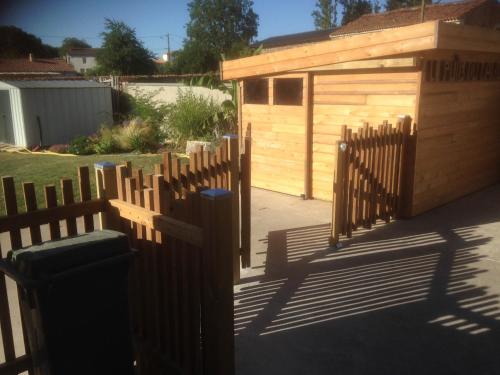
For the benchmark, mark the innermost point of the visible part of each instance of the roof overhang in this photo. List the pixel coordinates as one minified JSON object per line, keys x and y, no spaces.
{"x":404,"y":41}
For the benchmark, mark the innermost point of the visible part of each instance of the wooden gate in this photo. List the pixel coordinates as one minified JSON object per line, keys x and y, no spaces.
{"x":373,"y":176}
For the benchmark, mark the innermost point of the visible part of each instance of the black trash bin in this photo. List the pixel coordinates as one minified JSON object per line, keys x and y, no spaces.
{"x":75,"y":302}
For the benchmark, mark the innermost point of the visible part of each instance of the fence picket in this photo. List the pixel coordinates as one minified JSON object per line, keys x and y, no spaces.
{"x":31,"y":205}
{"x":67,"y":199}
{"x":5,"y":320}
{"x":85,"y":195}
{"x":50,"y":202}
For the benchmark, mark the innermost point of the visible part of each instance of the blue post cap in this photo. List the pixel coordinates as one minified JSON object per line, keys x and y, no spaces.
{"x":215,"y":194}
{"x":230,"y":136}
{"x":104,"y":165}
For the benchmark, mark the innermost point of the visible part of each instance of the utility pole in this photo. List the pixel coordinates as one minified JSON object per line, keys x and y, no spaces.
{"x":168,"y":46}
{"x":422,"y":11}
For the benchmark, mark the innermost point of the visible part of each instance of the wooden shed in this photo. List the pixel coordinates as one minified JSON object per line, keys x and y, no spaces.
{"x":445,"y":76}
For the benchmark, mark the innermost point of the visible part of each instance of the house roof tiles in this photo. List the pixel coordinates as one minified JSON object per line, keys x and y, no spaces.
{"x":409,"y":16}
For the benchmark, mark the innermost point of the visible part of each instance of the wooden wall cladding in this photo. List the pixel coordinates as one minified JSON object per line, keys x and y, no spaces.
{"x":278,"y":146}
{"x":458,"y":142}
{"x":352,"y":100}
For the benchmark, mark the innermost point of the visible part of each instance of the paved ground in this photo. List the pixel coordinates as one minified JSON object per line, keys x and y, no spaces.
{"x":412,"y":297}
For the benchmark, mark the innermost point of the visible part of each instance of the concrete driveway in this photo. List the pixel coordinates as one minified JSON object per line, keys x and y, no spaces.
{"x":411,"y":297}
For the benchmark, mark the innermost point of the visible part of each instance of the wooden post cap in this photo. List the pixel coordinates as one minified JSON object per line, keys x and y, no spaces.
{"x":216,"y":194}
{"x":104,"y":165}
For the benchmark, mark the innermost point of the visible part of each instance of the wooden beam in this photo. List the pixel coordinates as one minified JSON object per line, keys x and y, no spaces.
{"x":47,"y":215}
{"x":308,"y":104}
{"x":17,"y":366}
{"x":188,"y":233}
{"x":371,"y":45}
{"x":468,"y":38}
{"x":402,"y":62}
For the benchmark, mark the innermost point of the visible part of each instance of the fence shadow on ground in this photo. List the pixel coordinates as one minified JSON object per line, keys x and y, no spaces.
{"x":408,"y":298}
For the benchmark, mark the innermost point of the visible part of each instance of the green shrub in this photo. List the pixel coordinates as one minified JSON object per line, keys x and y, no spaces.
{"x":143,"y":106}
{"x":195,"y":117}
{"x":139,"y":136}
{"x":106,"y":142}
{"x":81,"y":146}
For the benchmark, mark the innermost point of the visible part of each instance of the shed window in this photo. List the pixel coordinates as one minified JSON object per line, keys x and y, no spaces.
{"x":288,"y":91}
{"x":256,"y":91}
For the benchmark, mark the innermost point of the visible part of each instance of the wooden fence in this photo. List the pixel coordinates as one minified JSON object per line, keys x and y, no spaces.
{"x":185,"y":222}
{"x":372,"y":176}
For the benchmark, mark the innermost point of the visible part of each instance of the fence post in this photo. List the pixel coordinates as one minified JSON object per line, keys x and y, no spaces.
{"x":408,"y":150}
{"x":105,"y":180}
{"x":338,"y":193}
{"x":246,"y":195}
{"x":217,"y":286}
{"x":234,"y":187}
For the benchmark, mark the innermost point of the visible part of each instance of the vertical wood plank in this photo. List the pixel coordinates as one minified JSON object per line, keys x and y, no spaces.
{"x":85,"y":195}
{"x":194,"y":269}
{"x":50,"y":202}
{"x":356,"y":184}
{"x":388,"y":181}
{"x":167,"y":167}
{"x":10,"y":201}
{"x":9,"y":192}
{"x":31,"y":205}
{"x":212,"y":170}
{"x":67,"y":199}
{"x":373,"y":176}
{"x":308,"y":110}
{"x":193,"y":163}
{"x":206,"y":169}
{"x":246,"y":203}
{"x":217,"y":294}
{"x":218,"y":166}
{"x":224,"y":161}
{"x":5,"y":320}
{"x":121,"y":174}
{"x":338,"y":190}
{"x":351,"y":156}
{"x":234,"y":187}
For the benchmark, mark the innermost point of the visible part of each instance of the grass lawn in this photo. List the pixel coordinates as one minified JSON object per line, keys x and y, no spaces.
{"x":49,"y":169}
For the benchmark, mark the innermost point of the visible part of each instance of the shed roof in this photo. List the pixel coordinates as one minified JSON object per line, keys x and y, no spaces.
{"x":55,"y":84}
{"x":409,"y":16}
{"x":408,"y":41}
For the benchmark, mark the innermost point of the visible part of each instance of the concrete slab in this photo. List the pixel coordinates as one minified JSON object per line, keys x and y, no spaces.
{"x":411,"y":297}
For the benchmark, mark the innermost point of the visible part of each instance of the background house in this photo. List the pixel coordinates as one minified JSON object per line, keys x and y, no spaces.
{"x":51,"y":111}
{"x":82,"y":59}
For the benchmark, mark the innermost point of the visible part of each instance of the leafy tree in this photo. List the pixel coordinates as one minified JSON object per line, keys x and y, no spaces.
{"x":69,"y":43}
{"x":216,"y":27}
{"x":325,"y":14}
{"x":121,"y":52}
{"x":396,"y":4}
{"x":354,"y":9}
{"x":16,"y":43}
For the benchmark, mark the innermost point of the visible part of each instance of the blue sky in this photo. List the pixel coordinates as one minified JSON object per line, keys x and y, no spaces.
{"x":52,"y":20}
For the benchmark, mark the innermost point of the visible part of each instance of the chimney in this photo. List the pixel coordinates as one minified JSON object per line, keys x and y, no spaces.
{"x":31,"y":57}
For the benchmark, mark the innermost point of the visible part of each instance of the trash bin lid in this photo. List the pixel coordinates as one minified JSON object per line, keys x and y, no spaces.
{"x":52,"y":257}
